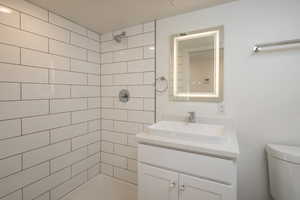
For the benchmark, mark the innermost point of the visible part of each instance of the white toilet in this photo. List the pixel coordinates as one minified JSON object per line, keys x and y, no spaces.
{"x":284,"y":171}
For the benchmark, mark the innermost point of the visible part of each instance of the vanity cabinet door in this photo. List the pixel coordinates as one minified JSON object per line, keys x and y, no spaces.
{"x":192,"y":188}
{"x":157,"y":184}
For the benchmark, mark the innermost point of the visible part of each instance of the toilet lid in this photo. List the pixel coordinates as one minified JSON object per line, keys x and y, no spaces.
{"x":283,"y":152}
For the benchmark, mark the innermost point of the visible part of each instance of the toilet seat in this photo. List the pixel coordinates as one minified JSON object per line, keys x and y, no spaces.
{"x":284,"y":171}
{"x":286,"y":153}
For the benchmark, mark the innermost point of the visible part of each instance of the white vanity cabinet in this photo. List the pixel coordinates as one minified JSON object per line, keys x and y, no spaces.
{"x":192,"y":188}
{"x":169,"y":174}
{"x":156,"y":183}
{"x":187,"y":161}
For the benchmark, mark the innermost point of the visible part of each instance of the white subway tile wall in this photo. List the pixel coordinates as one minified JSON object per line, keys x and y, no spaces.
{"x":126,"y":65}
{"x":49,"y":103}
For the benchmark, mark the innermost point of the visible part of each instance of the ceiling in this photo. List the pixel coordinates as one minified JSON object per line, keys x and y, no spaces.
{"x":107,"y":15}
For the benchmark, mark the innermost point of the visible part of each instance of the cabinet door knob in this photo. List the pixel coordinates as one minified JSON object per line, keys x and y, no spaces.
{"x":182,"y":188}
{"x":172,"y":184}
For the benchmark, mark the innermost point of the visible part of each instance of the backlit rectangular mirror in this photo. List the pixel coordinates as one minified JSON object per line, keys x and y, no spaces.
{"x":197,"y":66}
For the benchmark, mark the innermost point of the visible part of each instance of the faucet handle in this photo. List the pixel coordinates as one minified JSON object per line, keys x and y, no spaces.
{"x":192,"y":117}
{"x":192,"y":114}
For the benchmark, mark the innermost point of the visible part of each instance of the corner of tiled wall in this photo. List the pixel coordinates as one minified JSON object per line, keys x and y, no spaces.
{"x":126,"y":65}
{"x":49,"y":103}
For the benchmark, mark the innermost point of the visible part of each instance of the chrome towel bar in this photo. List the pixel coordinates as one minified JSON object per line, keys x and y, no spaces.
{"x":259,"y":47}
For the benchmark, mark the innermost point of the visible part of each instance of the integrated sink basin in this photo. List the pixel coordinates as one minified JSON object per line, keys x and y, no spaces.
{"x":188,"y":131}
{"x":215,"y":137}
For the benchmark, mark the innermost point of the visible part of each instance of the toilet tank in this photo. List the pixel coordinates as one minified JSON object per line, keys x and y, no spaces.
{"x":284,"y":172}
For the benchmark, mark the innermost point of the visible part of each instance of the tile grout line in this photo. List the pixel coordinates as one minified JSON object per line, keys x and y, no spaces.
{"x":87,"y":100}
{"x":46,"y":37}
{"x":49,"y":104}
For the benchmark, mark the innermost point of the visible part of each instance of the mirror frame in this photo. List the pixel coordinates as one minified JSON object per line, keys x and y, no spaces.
{"x":217,"y":95}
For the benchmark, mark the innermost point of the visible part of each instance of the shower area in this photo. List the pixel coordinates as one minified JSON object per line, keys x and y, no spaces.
{"x":65,"y":127}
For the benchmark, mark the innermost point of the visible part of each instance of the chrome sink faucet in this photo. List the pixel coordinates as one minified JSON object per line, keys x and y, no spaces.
{"x":192,"y":117}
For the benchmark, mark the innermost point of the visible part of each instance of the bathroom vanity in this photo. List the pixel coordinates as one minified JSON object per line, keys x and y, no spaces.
{"x":187,"y":161}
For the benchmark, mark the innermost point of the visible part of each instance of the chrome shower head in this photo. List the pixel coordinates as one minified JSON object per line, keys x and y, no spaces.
{"x":118,"y":38}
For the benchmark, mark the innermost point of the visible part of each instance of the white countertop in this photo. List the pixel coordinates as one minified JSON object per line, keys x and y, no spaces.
{"x":226,"y":149}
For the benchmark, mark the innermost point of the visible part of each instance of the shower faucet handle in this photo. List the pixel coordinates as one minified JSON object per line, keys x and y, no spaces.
{"x":192,"y":117}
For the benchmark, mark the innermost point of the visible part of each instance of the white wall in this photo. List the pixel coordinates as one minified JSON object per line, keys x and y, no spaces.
{"x":127,"y":65}
{"x":49,"y":103}
{"x":261,"y":91}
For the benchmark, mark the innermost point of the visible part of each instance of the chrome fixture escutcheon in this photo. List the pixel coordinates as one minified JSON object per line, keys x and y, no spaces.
{"x":124,"y":96}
